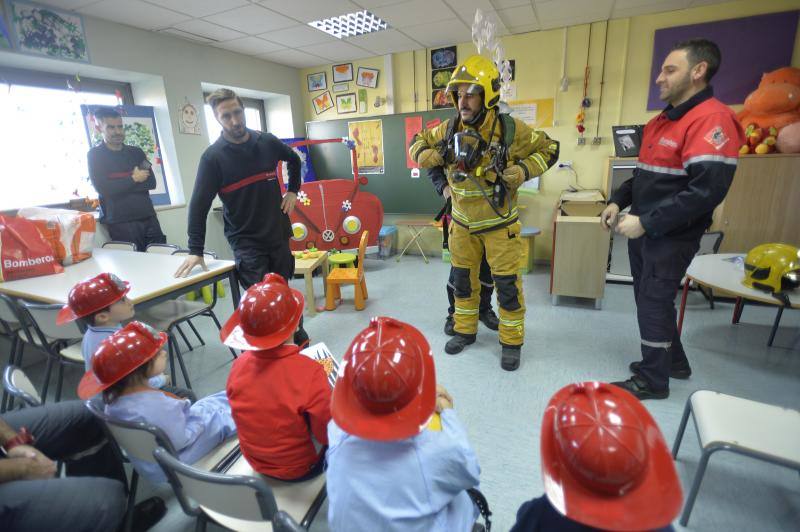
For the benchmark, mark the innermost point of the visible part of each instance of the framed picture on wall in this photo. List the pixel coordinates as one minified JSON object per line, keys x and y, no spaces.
{"x":317,"y":82}
{"x":443,"y":58}
{"x":341,"y":87}
{"x":322,"y":102}
{"x":367,"y":77}
{"x":43,"y":30}
{"x":346,"y":103}
{"x":440,"y":78}
{"x":342,"y":72}
{"x":440,"y":99}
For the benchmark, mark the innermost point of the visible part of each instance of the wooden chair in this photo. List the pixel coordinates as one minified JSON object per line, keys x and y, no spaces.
{"x":355,"y":276}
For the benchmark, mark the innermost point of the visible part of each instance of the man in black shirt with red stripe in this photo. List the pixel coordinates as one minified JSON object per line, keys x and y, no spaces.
{"x":240,"y":168}
{"x":123,"y":177}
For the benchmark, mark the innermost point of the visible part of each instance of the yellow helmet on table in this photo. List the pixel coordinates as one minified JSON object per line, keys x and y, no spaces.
{"x":772,"y":267}
{"x":481,"y":77}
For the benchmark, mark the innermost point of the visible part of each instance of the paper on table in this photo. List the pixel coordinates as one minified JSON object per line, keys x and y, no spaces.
{"x":321,"y":354}
{"x":738,"y":260}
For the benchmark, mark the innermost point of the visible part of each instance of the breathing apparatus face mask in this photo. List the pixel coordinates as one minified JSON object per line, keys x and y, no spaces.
{"x":468,"y":149}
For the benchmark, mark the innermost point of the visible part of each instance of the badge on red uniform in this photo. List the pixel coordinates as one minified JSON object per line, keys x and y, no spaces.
{"x":716,"y":137}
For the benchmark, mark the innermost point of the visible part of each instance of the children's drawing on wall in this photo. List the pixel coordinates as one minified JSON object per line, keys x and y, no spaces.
{"x":322,"y":103}
{"x":189,"y":119}
{"x":317,"y":82}
{"x":367,"y":77}
{"x":50,"y":32}
{"x":346,"y":103}
{"x":368,"y":136}
{"x":342,"y":72}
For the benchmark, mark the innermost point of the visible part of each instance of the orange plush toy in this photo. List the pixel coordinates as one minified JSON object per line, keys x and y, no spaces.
{"x":776,"y":101}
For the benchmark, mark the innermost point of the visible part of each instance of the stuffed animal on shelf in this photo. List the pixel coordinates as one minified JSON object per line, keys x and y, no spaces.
{"x":769,"y":109}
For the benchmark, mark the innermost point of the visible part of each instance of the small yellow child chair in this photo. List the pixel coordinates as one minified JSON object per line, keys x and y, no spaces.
{"x":354,"y":276}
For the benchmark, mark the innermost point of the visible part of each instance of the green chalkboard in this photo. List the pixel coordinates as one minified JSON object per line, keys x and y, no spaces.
{"x":397,"y":190}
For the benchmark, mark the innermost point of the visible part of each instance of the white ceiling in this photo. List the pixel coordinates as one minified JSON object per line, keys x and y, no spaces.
{"x":276,"y":30}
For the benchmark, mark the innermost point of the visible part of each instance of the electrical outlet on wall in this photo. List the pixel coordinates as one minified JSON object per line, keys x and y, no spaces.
{"x":581,"y":141}
{"x":597,"y":140}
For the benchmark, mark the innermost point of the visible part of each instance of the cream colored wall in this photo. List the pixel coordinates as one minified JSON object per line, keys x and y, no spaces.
{"x":628,"y":47}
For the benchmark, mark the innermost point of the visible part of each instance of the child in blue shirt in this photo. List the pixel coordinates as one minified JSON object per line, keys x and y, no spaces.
{"x":102,"y":304}
{"x":121,"y":367}
{"x":389,"y":468}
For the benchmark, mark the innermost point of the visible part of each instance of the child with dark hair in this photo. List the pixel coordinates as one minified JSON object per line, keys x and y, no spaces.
{"x":102,"y":304}
{"x":120,"y":370}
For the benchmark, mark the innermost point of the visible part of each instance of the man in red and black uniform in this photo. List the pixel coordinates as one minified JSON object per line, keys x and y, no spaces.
{"x":123,"y":177}
{"x":686,"y":165}
{"x":240,"y":168}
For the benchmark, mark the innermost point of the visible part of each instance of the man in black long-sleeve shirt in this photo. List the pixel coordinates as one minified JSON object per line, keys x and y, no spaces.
{"x":240,"y":167}
{"x":123,"y":177}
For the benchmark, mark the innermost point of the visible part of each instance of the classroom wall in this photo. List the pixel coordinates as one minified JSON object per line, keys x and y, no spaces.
{"x":539,"y":60}
{"x":172,"y":69}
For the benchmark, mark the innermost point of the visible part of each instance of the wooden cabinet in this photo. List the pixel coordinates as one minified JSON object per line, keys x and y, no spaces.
{"x":763,"y":203}
{"x":580,"y":247}
{"x":580,"y":252}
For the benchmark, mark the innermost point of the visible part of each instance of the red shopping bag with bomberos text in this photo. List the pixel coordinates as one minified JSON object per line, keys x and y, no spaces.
{"x":69,"y":233}
{"x":23,"y":251}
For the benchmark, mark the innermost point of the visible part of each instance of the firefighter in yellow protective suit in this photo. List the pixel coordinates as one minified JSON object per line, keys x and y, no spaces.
{"x":487,"y":155}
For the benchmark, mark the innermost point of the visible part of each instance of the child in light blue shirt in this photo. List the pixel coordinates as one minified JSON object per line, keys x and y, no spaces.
{"x":102,"y":304}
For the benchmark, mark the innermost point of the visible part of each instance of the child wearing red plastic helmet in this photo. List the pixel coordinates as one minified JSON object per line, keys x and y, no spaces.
{"x":120,"y":370}
{"x":605,"y":465}
{"x":386,"y":470}
{"x":102,"y":304}
{"x":280,"y":399}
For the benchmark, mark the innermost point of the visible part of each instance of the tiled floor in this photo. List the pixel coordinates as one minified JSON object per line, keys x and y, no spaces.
{"x":571,"y":342}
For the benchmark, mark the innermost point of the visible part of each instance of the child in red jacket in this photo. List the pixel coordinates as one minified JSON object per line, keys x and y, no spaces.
{"x":280,"y":398}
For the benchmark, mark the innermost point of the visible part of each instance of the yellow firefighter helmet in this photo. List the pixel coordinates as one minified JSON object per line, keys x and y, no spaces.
{"x":773,"y":268}
{"x":481,"y":76}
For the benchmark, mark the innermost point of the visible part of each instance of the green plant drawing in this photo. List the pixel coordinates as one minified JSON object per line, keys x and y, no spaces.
{"x":47,"y":32}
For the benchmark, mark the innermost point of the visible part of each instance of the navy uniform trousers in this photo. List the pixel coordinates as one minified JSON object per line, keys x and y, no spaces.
{"x":657,"y":266}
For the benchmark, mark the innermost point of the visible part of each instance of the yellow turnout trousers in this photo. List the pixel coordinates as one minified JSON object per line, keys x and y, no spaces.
{"x":503,"y":251}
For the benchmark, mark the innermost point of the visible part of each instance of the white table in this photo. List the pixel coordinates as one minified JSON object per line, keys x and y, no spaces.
{"x":151,"y":276}
{"x":718,"y":271}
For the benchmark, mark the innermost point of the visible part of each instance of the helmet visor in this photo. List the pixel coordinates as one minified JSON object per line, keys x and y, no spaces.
{"x":466,"y":87}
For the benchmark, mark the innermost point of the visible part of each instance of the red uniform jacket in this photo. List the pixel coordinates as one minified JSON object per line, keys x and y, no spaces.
{"x":686,"y":165}
{"x":279,"y":398}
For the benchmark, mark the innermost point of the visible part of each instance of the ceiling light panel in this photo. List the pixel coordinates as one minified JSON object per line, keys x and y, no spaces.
{"x":351,"y":24}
